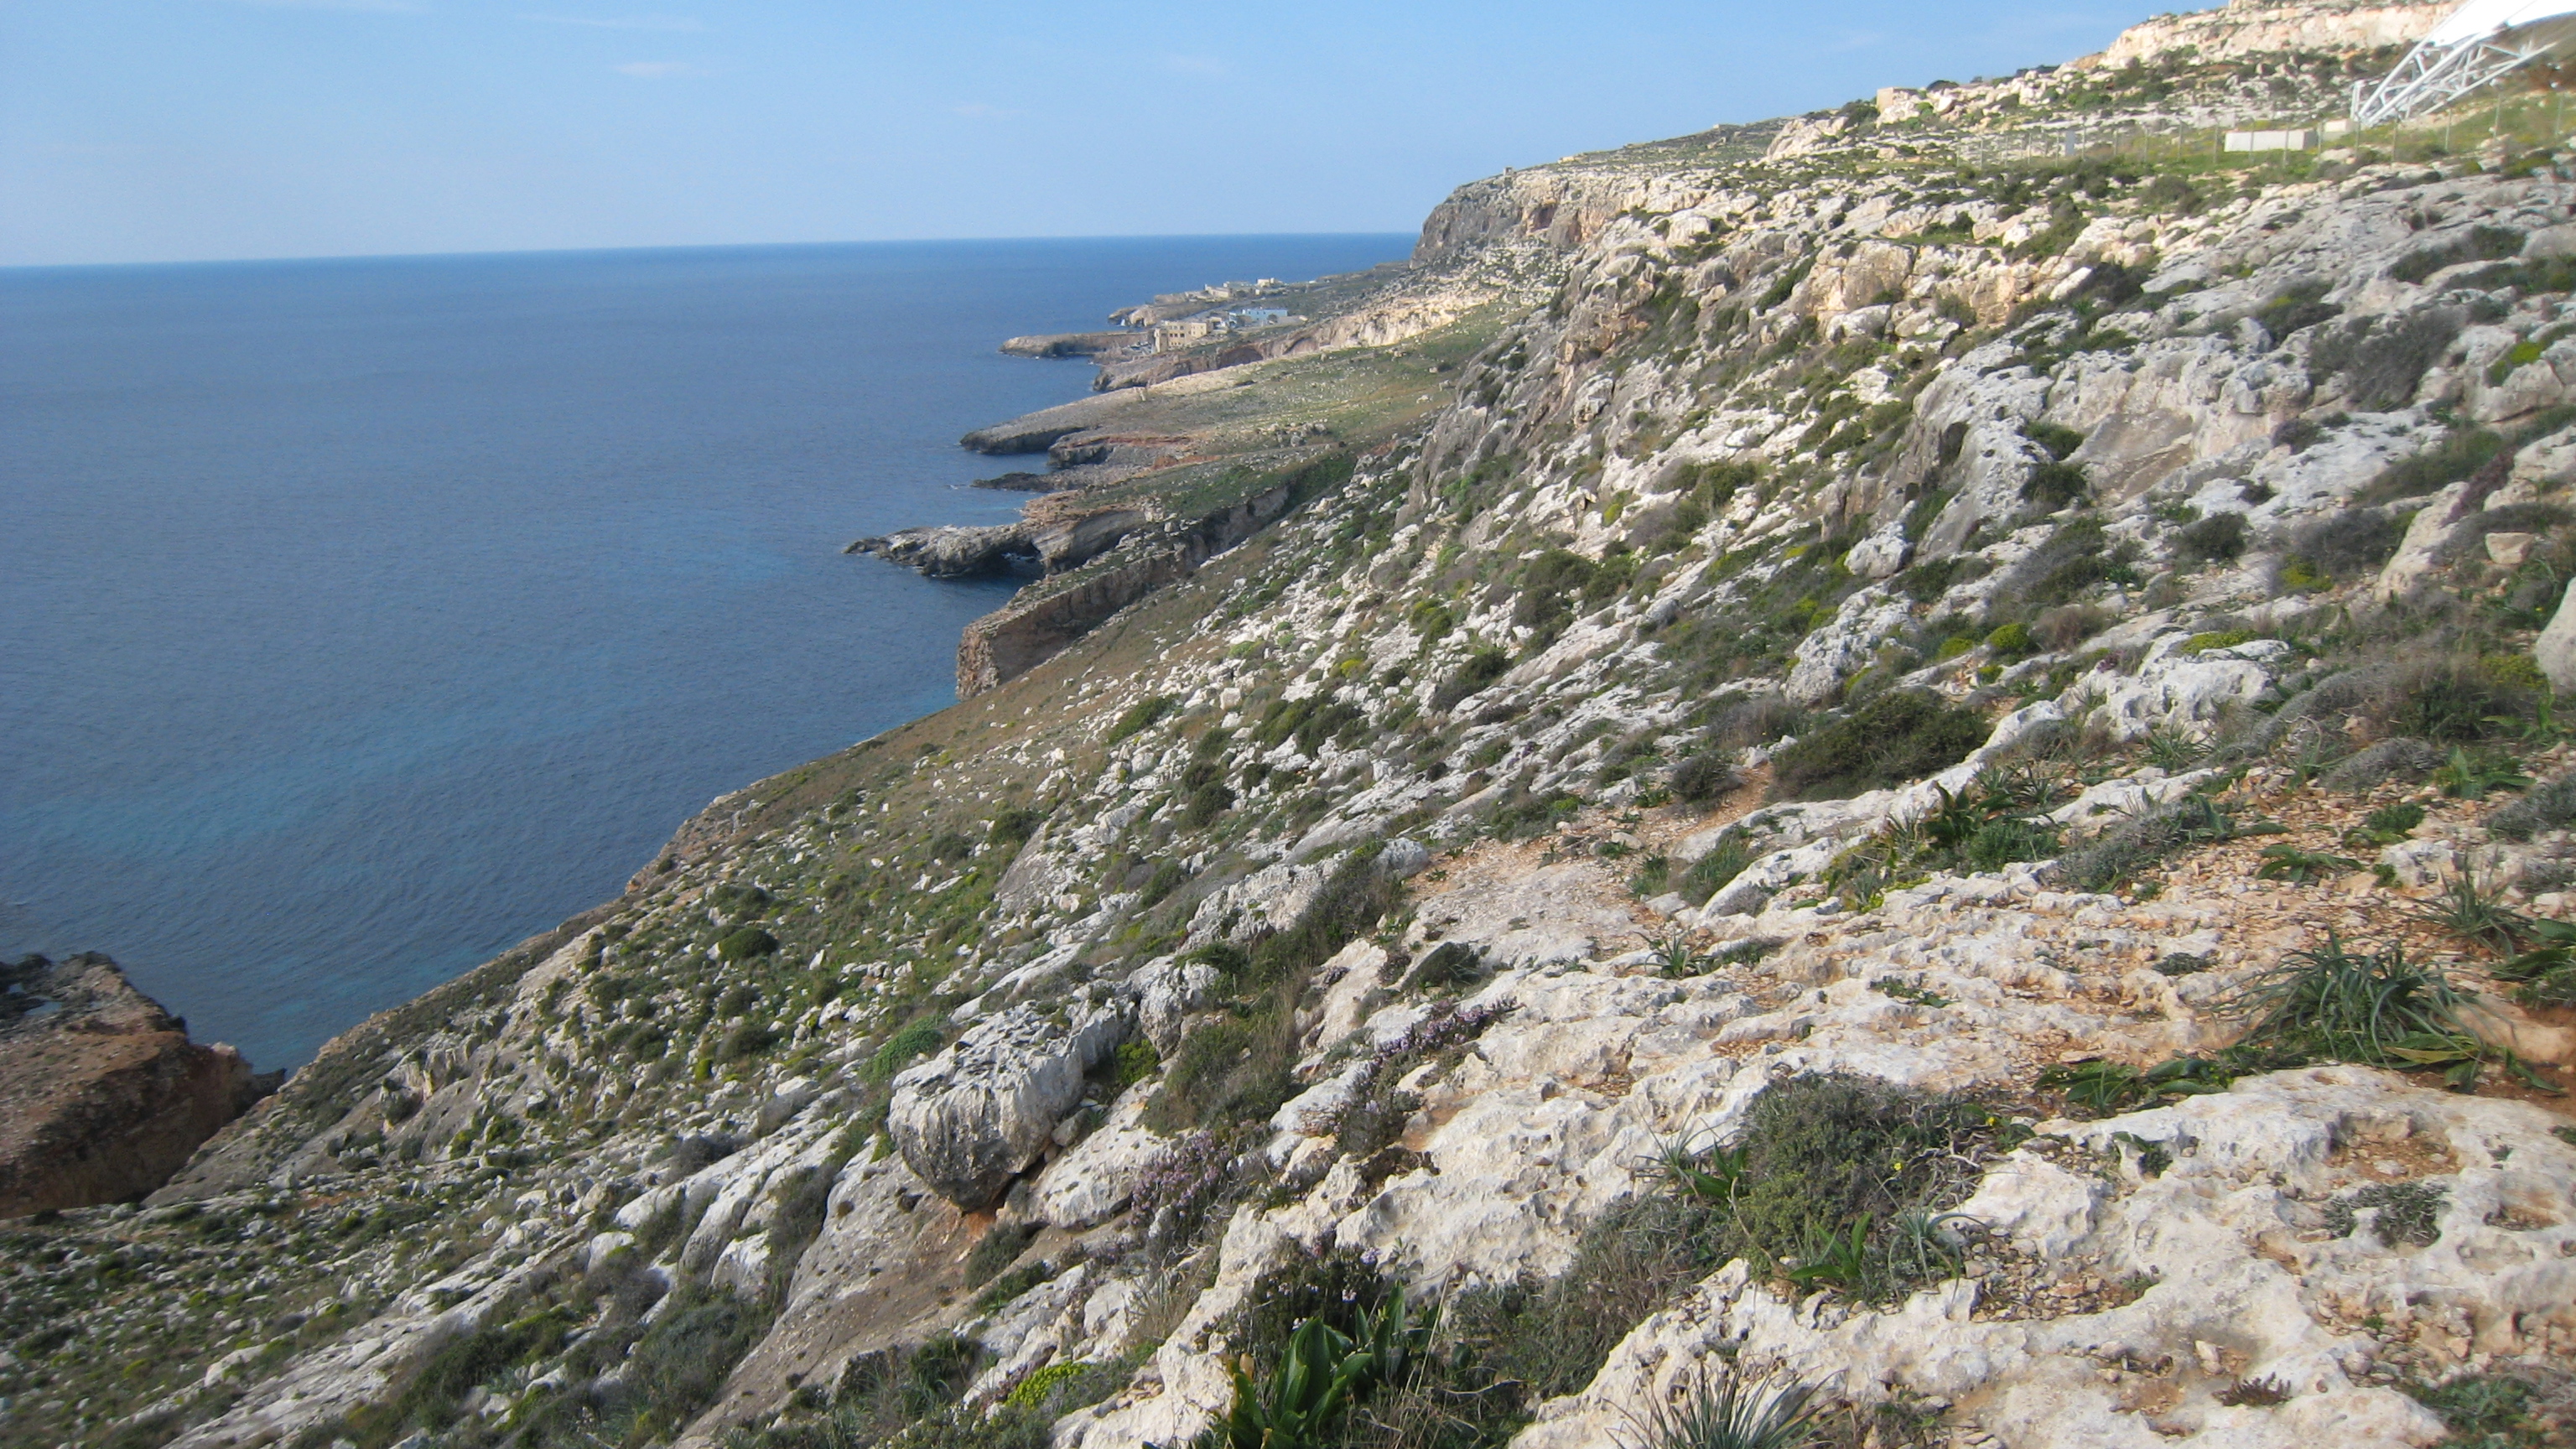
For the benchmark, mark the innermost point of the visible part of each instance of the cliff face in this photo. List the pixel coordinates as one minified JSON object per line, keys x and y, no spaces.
{"x":102,"y":1095}
{"x":2254,"y":27}
{"x":1916,"y":770}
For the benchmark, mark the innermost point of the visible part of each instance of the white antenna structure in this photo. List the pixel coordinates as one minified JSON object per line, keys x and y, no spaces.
{"x":2477,"y":43}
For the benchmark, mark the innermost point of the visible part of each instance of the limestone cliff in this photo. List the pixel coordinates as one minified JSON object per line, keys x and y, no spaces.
{"x":102,"y":1095}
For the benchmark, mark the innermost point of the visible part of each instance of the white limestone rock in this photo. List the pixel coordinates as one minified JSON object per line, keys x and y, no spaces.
{"x":978,"y":1114}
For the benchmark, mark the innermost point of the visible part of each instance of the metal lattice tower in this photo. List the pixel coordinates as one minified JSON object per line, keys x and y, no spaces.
{"x":2477,"y":43}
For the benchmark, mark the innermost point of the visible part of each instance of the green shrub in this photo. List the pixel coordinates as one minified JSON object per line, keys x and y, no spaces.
{"x":1899,"y":736}
{"x":2209,"y":639}
{"x":2056,"y":440}
{"x":2011,"y":641}
{"x":2446,"y":462}
{"x":2054,"y":485}
{"x":2385,"y":358}
{"x":1136,"y":1061}
{"x":2296,"y":310}
{"x":1840,"y":1180}
{"x":2548,"y":806}
{"x":2410,"y":1213}
{"x":2121,"y":852}
{"x":1143,"y":715}
{"x":1013,"y":827}
{"x":1487,"y":664}
{"x":917,"y":1040}
{"x":999,"y":1248}
{"x":681,"y":1362}
{"x":2458,"y":702}
{"x":1062,"y":1383}
{"x":1236,"y":1071}
{"x":1206,"y":803}
{"x":746,"y":943}
{"x":1012,"y":1284}
{"x":2478,"y":244}
{"x":750,"y":1039}
{"x":1351,"y":901}
{"x":1716,"y":870}
{"x":2215,"y":539}
{"x":2493,"y":1411}
{"x":1704,"y":777}
{"x":1549,"y":586}
{"x":2378,"y":1010}
{"x":2074,"y":557}
{"x":1449,"y":966}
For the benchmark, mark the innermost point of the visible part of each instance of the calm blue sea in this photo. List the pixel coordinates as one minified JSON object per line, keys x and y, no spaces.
{"x":359,"y":618}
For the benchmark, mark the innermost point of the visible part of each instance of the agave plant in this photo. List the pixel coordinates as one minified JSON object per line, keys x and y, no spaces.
{"x":1322,"y":1372}
{"x":1729,"y":1414}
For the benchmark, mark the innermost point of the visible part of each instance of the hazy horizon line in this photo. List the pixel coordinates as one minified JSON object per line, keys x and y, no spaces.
{"x":499,"y":252}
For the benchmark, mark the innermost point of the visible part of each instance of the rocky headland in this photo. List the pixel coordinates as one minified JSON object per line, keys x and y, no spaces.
{"x":102,"y":1095}
{"x":1909,"y":758}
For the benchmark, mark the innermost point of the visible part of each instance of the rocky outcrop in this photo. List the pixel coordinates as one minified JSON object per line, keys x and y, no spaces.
{"x":1027,"y":632}
{"x":1070,"y":344}
{"x":1562,"y":206}
{"x":1054,"y":538}
{"x":102,"y":1095}
{"x":2258,"y":27}
{"x":976,"y":1116}
{"x":953,"y":552}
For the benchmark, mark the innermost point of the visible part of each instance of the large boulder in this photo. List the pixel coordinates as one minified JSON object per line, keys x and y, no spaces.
{"x":2555,"y":650}
{"x":102,"y":1095}
{"x":977,"y":1115}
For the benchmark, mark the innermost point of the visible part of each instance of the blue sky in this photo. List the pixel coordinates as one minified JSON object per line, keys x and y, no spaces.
{"x":152,"y":130}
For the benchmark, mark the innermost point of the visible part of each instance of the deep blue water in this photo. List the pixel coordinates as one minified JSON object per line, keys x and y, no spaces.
{"x":360,"y":618}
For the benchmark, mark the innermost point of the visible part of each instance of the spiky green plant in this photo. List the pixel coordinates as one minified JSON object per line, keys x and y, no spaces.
{"x":1730,"y":1414}
{"x":2378,"y":1009}
{"x":2302,"y":867}
{"x":2474,"y":776}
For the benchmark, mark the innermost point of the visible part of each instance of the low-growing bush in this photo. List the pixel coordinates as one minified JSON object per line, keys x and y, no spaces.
{"x":1840,"y":1181}
{"x":2068,"y":625}
{"x":1487,"y":664}
{"x":1703,"y":777}
{"x":1012,"y":828}
{"x":1449,"y":966}
{"x":2215,"y":539}
{"x":2054,"y":485}
{"x":998,"y":1249}
{"x":1141,"y":716}
{"x":1715,"y":871}
{"x":2456,"y":457}
{"x":2550,"y":805}
{"x":919,"y":1039}
{"x":1899,"y":736}
{"x":2477,"y":244}
{"x":2455,"y":702}
{"x":2384,"y":358}
{"x":2392,"y":759}
{"x":2377,"y":1009}
{"x":2122,"y":851}
{"x":746,"y":943}
{"x":1755,"y":720}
